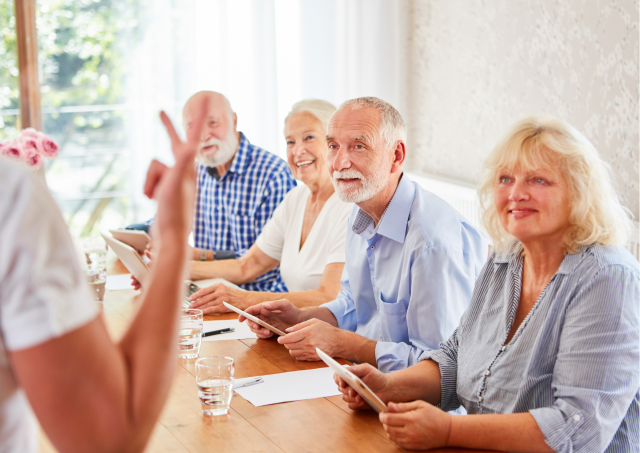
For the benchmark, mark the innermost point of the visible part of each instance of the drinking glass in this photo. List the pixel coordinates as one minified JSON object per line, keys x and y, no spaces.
{"x":95,"y":252}
{"x":214,"y":376}
{"x":190,"y":334}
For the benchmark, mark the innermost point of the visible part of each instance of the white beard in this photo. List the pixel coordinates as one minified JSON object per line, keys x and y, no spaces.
{"x":370,"y":186}
{"x":226,"y":150}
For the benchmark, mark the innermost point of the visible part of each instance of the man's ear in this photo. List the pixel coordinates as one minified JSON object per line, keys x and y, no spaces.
{"x":235,"y":121}
{"x":399,"y":154}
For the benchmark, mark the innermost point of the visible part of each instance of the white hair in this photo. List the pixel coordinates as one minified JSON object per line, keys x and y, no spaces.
{"x":321,"y":110}
{"x":392,"y":127}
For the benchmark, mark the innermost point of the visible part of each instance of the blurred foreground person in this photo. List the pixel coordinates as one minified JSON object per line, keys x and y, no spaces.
{"x":56,"y":357}
{"x":305,"y":236}
{"x":547,"y":352}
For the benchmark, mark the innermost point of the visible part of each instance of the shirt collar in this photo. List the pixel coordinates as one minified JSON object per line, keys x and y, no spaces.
{"x":393,"y":223}
{"x":513,"y":257}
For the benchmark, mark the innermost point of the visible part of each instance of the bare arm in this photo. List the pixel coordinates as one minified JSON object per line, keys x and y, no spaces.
{"x":246,"y":269}
{"x":210,"y":299}
{"x":113,"y":393}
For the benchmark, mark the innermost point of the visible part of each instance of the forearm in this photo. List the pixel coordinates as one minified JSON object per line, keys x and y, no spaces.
{"x":418,"y":382}
{"x":149,"y":346}
{"x":504,"y":432}
{"x":355,"y":348}
{"x":230,"y":270}
{"x":300,"y":299}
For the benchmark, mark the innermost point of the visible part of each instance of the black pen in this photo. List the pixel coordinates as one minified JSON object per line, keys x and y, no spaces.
{"x":219,"y":331}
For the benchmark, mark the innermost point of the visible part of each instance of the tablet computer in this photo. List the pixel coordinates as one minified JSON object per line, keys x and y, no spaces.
{"x":354,"y":382}
{"x":135,"y":238}
{"x":130,"y":259}
{"x":254,"y":319}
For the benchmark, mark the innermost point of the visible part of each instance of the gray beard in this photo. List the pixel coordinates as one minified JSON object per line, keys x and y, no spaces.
{"x":370,"y":186}
{"x":226,"y":150}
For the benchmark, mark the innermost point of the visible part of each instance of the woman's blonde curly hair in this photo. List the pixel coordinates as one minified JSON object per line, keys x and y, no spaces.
{"x":597,"y":216}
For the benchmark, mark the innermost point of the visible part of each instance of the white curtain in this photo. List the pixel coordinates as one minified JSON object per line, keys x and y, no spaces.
{"x":264,"y":55}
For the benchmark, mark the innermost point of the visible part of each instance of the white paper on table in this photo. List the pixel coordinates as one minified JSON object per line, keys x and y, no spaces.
{"x":242,"y":330}
{"x":118,"y":282}
{"x":292,"y":386}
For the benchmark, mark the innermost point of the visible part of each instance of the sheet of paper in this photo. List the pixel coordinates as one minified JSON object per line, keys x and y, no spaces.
{"x":118,"y":282}
{"x":292,"y":386}
{"x":213,"y":281}
{"x":242,"y":330}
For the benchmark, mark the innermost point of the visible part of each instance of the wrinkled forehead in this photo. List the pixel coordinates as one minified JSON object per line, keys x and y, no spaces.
{"x":355,"y":124}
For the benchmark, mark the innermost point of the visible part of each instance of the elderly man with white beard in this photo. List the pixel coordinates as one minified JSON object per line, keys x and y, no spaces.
{"x":411,"y":259}
{"x":239,"y":185}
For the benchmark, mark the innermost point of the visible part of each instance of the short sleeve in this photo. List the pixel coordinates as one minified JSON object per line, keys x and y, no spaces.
{"x":338,"y":237}
{"x":42,"y":293}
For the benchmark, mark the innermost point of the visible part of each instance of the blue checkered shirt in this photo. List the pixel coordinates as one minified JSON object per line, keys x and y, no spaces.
{"x":232,"y":210}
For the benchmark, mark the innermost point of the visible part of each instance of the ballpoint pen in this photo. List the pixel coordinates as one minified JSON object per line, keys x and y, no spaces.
{"x":218,"y":332}
{"x":249,"y":381}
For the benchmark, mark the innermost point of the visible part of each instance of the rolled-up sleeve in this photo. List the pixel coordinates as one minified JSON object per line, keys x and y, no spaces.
{"x":446,"y":356}
{"x":595,"y":376}
{"x":343,"y":308}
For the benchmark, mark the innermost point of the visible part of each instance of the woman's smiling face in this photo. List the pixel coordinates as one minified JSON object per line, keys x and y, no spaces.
{"x":306,"y":148}
{"x":533,"y":204}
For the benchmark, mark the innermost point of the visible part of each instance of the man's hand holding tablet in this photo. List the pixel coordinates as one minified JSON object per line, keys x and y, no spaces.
{"x":281,"y":314}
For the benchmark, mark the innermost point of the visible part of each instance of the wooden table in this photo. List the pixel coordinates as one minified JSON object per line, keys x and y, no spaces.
{"x":318,"y":425}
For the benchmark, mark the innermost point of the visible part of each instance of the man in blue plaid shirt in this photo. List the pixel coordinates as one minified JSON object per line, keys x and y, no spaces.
{"x":239,"y":187}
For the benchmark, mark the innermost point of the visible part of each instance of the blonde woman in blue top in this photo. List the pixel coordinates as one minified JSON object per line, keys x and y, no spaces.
{"x":546,"y":357}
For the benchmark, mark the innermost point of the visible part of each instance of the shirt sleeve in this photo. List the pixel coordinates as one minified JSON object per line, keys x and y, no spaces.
{"x":343,"y":308}
{"x":441,"y":288}
{"x":595,"y":377}
{"x":42,"y":292}
{"x":271,"y":240}
{"x":338,"y":238}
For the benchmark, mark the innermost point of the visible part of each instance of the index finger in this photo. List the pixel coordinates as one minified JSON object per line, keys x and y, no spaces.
{"x":173,"y":135}
{"x":193,"y":133}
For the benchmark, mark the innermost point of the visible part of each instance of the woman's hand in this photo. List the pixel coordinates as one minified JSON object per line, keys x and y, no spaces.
{"x":210,"y":299}
{"x":416,"y":425}
{"x":375,"y":379}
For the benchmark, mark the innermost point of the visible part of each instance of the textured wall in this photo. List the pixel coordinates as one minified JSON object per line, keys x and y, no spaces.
{"x":475,"y":67}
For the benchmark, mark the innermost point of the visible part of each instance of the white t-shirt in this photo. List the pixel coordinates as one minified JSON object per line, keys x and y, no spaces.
{"x":42,"y":294}
{"x":302,"y":269}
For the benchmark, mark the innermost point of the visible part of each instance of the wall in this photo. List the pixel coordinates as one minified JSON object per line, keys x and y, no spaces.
{"x":475,"y":67}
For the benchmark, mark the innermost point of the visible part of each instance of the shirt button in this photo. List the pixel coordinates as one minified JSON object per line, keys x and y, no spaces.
{"x":576,"y":417}
{"x":373,"y":247}
{"x":487,"y":373}
{"x":480,"y":399}
{"x":503,"y":348}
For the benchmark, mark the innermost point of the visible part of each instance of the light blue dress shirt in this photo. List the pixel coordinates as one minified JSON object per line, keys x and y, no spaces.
{"x":407,"y":282}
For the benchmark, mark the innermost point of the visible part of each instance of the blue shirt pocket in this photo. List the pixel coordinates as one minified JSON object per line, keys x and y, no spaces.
{"x":393,"y":320}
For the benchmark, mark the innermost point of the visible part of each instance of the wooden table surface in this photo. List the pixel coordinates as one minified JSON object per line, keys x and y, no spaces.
{"x":318,"y":425}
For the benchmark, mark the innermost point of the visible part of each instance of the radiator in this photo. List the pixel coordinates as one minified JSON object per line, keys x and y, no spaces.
{"x":464,"y":198}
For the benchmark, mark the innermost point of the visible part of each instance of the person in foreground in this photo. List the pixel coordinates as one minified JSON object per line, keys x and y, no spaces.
{"x":411,"y":259}
{"x":547,"y":353}
{"x":56,"y":356}
{"x":305,"y":236}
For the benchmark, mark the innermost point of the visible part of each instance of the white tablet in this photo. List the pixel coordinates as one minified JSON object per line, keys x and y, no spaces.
{"x":130,"y":259}
{"x":354,"y":382}
{"x":254,"y":319}
{"x":137,"y":239}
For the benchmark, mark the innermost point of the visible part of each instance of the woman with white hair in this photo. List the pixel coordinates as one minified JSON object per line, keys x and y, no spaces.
{"x":547,"y":352}
{"x":306,"y":234}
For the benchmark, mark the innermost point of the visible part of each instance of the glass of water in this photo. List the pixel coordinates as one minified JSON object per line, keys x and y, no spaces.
{"x":95,"y":252}
{"x":214,"y":376}
{"x":190,"y":333}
